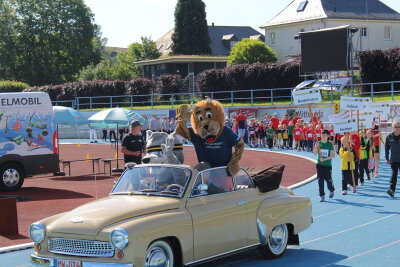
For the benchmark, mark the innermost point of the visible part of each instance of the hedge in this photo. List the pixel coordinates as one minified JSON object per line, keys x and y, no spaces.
{"x":250,"y":76}
{"x":379,"y":66}
{"x":12,"y":86}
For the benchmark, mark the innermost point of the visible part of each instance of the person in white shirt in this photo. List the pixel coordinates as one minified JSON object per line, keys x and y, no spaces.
{"x":92,"y":134}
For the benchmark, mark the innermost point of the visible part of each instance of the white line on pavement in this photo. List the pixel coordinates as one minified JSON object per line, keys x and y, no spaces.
{"x":348,"y":207}
{"x":364,"y":253}
{"x":349,"y":229}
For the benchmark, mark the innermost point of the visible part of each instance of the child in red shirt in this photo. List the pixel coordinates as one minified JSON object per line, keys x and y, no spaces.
{"x":297,"y":133}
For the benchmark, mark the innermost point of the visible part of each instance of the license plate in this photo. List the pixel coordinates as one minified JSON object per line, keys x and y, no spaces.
{"x":68,"y":263}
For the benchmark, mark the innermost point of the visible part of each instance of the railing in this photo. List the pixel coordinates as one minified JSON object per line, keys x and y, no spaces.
{"x":245,"y":97}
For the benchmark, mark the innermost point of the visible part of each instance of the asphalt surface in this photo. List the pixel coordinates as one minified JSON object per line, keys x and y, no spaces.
{"x":358,"y":229}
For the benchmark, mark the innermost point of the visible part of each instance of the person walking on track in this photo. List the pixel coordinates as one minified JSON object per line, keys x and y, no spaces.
{"x":392,"y":154}
{"x":325,"y":152}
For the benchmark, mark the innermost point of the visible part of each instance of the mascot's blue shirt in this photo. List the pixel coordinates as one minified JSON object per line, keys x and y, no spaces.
{"x":218,"y":153}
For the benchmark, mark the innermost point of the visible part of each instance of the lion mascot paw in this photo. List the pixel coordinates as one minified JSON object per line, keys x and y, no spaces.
{"x":212,"y":140}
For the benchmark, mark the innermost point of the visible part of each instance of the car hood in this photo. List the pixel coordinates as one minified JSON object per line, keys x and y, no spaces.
{"x":90,"y":218}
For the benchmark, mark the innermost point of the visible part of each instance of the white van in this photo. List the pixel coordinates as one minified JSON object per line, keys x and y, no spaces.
{"x":28,"y":138}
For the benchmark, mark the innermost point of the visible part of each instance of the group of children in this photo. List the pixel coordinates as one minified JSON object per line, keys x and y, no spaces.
{"x":359,"y":157}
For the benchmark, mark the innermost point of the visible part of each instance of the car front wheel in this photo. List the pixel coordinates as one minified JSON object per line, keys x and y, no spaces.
{"x":277,"y":242}
{"x":160,"y":253}
{"x":11,"y":177}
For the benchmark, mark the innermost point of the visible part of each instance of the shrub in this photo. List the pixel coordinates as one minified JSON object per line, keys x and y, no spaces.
{"x":141,"y":89}
{"x":245,"y":77}
{"x":12,"y":86}
{"x":379,"y":66}
{"x":54,"y":91}
{"x":169,"y":84}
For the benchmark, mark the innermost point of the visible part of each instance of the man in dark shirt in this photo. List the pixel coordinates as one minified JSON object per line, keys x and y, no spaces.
{"x":133,"y":145}
{"x":392,"y":149}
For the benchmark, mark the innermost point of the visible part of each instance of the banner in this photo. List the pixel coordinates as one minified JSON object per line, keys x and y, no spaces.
{"x":341,"y":116}
{"x":354,"y":103}
{"x":345,"y":125}
{"x":379,"y":109}
{"x":365,"y":118}
{"x":336,"y":84}
{"x":304,"y":84}
{"x":306,"y":96}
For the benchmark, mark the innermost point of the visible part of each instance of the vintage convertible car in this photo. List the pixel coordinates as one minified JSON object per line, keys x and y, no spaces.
{"x":172,"y":215}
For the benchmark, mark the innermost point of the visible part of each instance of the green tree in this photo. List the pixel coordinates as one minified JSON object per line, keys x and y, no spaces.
{"x":149,"y":48}
{"x":249,"y":51}
{"x":8,"y":36}
{"x":107,"y":69}
{"x":190,"y":35}
{"x":54,"y":40}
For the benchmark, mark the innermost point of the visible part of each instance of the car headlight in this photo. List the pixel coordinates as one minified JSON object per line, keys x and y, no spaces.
{"x":119,"y":238}
{"x":37,"y":232}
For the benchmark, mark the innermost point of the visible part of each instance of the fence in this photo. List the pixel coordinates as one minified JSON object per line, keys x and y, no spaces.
{"x":389,"y":90}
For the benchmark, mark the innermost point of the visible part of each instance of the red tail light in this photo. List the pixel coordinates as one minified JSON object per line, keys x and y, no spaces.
{"x":55,"y":143}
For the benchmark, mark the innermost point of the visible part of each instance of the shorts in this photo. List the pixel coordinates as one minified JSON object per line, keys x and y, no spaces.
{"x":376,"y":149}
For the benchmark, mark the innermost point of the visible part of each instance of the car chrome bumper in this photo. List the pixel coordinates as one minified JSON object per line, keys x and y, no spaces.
{"x":41,"y":261}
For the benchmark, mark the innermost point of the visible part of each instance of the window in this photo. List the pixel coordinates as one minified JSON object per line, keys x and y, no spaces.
{"x":217,"y":181}
{"x":161,"y":67}
{"x":364,"y":32}
{"x":302,"y":6}
{"x":159,"y":46}
{"x":387,"y":33}
{"x":242,"y":181}
{"x":233,"y":44}
{"x":272,"y":38}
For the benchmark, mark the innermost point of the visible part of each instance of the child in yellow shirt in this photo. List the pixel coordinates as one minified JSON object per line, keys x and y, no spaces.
{"x":347,"y":165}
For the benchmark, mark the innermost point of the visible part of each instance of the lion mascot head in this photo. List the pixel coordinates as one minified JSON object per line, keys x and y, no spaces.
{"x":208,"y":119}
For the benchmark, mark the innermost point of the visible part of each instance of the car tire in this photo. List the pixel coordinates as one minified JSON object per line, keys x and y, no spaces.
{"x":276,"y":243}
{"x":160,"y":253}
{"x":11,"y":177}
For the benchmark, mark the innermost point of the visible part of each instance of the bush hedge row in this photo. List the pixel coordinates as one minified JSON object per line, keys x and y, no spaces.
{"x":12,"y":86}
{"x":234,"y":78}
{"x":380,"y":66}
{"x":251,"y":76}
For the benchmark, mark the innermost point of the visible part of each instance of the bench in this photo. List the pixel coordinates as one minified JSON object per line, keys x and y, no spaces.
{"x":67,"y":163}
{"x":107,"y":162}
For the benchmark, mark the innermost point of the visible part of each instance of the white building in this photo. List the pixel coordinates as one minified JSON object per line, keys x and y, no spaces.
{"x":378,"y":24}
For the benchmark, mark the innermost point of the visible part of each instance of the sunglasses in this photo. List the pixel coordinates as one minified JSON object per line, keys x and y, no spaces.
{"x":397,"y":127}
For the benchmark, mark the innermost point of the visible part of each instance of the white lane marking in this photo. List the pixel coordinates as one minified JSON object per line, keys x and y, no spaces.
{"x":364,"y":253}
{"x":349,"y":229}
{"x":348,"y":207}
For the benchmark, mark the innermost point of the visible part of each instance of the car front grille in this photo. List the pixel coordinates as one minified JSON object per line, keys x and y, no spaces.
{"x":82,"y":248}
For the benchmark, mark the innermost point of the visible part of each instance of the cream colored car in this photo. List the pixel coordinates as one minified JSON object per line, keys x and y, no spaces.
{"x":169,"y":215}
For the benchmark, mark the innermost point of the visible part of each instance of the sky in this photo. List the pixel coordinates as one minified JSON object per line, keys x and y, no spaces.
{"x":123,"y":22}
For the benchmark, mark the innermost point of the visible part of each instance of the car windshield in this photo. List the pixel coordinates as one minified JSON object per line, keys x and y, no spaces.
{"x":153,"y":180}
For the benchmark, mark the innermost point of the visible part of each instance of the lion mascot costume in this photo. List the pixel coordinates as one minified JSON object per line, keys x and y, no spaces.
{"x":212,"y":140}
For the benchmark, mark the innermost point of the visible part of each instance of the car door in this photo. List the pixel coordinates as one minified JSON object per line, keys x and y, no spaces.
{"x":218,"y":214}
{"x":252,"y":198}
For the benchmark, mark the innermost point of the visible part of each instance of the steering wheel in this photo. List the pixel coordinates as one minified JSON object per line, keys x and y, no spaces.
{"x":177,"y":188}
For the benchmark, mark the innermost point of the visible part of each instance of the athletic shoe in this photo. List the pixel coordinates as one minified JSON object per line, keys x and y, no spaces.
{"x":322,"y":199}
{"x":354,"y":190}
{"x":331,"y":194}
{"x":344,"y":193}
{"x":390,"y":192}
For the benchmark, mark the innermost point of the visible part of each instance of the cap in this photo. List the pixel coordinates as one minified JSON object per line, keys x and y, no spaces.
{"x":275,"y":114}
{"x":135,"y":123}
